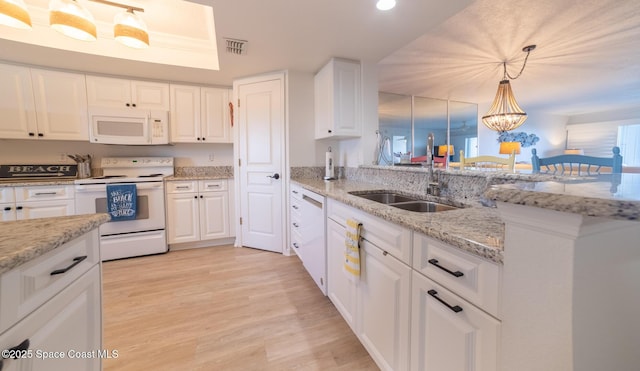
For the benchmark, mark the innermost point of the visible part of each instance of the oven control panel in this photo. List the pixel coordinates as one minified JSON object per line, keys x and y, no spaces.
{"x":136,"y":162}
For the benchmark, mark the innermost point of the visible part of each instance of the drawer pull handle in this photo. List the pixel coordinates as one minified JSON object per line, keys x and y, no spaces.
{"x":182,"y":187}
{"x":22,"y":347}
{"x":434,"y":294}
{"x":456,"y":273}
{"x":295,"y":207}
{"x":213,"y":185}
{"x":385,"y":253}
{"x":295,"y":225}
{"x":45,"y":193}
{"x":295,"y":245}
{"x":76,"y":261}
{"x":295,"y":192}
{"x":7,"y":208}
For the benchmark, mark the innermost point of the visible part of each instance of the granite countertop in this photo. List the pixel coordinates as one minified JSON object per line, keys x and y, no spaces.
{"x":24,"y":240}
{"x":614,"y":196}
{"x":475,"y":229}
{"x":32,"y":182}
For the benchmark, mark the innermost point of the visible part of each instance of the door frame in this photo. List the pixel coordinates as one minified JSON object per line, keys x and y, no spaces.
{"x":277,"y":75}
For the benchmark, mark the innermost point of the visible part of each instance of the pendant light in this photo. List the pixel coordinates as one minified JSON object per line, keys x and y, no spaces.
{"x":72,"y":19}
{"x":14,"y":13}
{"x":130,"y":30}
{"x":505,"y":114}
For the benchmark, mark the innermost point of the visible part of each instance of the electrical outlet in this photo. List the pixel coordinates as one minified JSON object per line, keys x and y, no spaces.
{"x":211,"y":157}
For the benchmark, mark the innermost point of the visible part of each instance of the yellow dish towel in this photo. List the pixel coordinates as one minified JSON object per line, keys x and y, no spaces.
{"x":352,"y":249}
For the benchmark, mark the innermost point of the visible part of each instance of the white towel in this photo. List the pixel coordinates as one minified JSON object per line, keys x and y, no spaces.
{"x":351,"y":265}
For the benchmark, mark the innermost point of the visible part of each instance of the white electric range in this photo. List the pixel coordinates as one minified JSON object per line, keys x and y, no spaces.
{"x":145,"y":234}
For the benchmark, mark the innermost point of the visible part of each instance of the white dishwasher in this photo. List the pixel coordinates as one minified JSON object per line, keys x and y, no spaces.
{"x":308,"y":233}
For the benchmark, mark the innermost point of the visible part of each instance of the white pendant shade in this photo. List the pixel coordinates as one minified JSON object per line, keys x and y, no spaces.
{"x":13,"y":13}
{"x":130,"y":30}
{"x":505,"y":114}
{"x":72,"y":19}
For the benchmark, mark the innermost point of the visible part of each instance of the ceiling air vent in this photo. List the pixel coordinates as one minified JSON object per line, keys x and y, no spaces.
{"x":235,"y":46}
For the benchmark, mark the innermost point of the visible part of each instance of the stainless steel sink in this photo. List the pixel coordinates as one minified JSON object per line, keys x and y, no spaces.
{"x":403,"y":202}
{"x":423,"y":206}
{"x":384,"y":197}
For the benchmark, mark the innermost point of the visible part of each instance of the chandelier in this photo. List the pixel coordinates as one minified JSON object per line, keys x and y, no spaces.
{"x":72,"y":19}
{"x":505,"y":114}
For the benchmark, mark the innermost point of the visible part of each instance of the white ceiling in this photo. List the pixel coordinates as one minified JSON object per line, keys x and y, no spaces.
{"x":588,"y":55}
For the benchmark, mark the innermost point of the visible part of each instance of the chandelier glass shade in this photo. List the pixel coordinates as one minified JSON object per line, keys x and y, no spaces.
{"x":505,"y":114}
{"x":72,"y":19}
{"x":130,"y":30}
{"x":14,"y":13}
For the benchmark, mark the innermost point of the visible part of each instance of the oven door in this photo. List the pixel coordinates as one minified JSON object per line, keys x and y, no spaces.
{"x":92,"y":198}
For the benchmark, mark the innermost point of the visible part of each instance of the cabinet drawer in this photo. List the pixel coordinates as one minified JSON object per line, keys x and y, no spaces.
{"x":296,"y":192}
{"x":388,"y":236}
{"x":39,"y":193}
{"x":212,"y":185}
{"x":7,"y":195}
{"x":475,"y":279}
{"x":181,"y":186}
{"x":28,"y":286}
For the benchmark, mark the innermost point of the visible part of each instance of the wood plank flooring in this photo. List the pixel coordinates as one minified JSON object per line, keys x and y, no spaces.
{"x":222,"y":308}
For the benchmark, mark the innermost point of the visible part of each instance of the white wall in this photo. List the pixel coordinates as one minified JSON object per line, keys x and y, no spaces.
{"x":51,"y":151}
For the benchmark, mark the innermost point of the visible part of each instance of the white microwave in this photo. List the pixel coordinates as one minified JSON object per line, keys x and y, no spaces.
{"x":128,"y":126}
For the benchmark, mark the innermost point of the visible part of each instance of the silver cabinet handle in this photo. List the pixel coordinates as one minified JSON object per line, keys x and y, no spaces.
{"x":45,"y":193}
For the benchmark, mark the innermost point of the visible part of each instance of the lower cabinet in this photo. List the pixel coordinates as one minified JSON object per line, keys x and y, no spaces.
{"x":448,"y":333}
{"x":197,"y":211}
{"x":340,"y":289}
{"x":32,"y":202}
{"x":384,"y":300}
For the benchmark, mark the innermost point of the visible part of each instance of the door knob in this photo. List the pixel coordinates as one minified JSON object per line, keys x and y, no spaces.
{"x":275,"y":176}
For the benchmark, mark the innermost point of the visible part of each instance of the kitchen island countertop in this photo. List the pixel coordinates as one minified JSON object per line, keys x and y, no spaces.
{"x":477,"y":230}
{"x":24,"y":240}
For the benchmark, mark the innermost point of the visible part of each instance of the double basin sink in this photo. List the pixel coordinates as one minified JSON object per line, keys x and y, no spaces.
{"x":403,"y":202}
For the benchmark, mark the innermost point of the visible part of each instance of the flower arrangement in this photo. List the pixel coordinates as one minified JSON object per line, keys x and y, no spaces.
{"x":526,"y":140}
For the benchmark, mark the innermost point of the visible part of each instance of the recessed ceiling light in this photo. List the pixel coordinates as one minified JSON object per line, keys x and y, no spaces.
{"x":386,"y":4}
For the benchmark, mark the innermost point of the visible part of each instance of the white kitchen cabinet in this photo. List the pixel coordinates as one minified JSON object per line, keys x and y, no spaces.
{"x":54,"y":302}
{"x":32,"y":202}
{"x":44,"y":201}
{"x":449,"y":333}
{"x":42,"y":104}
{"x":384,"y":302}
{"x":338,"y":100}
{"x":200,"y":114}
{"x":308,"y":233}
{"x":61,"y":105}
{"x":341,"y":290}
{"x":377,"y":305}
{"x":17,"y":107}
{"x":197,"y":210}
{"x":120,"y":93}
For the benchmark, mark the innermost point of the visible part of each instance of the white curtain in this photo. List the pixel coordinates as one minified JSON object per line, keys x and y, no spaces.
{"x":629,"y":143}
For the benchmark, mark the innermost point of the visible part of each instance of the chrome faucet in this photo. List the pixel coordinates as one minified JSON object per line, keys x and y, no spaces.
{"x":432,"y":187}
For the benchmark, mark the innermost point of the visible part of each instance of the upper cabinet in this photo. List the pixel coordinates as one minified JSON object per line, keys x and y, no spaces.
{"x":338,"y":100}
{"x":121,"y":93}
{"x":42,"y":104}
{"x":200,"y":114}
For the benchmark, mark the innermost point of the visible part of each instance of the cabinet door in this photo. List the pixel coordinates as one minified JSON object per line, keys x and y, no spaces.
{"x":44,"y":209}
{"x":346,"y":95}
{"x":108,"y":92}
{"x":61,"y":105}
{"x":69,"y":322}
{"x":216,"y":122}
{"x":182,"y":217}
{"x":8,"y":211}
{"x":214,"y":215}
{"x":384,"y":301}
{"x":150,"y":95}
{"x":340,"y":288}
{"x":446,"y":339}
{"x":17,"y":107}
{"x":185,"y":114}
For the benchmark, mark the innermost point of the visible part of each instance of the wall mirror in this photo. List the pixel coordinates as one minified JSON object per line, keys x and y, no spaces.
{"x":405,"y":122}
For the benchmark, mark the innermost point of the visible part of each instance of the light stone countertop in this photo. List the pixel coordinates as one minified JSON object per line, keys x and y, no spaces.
{"x":477,"y":230}
{"x":614,"y":196}
{"x":24,"y":240}
{"x":31,"y":182}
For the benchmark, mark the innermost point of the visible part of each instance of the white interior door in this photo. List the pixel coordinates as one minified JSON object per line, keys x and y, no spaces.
{"x":261,"y":154}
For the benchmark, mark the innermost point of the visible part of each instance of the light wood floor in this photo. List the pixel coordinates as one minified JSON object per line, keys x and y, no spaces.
{"x":222,"y":308}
